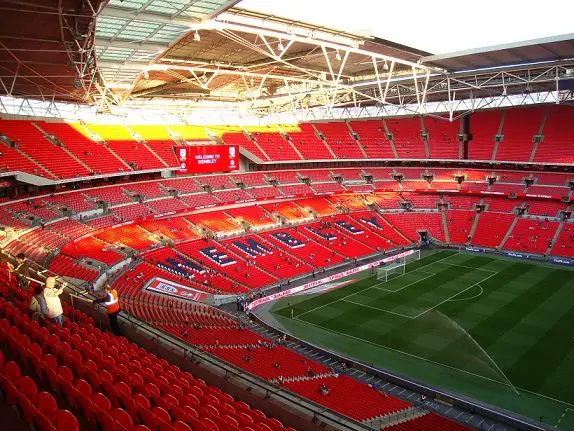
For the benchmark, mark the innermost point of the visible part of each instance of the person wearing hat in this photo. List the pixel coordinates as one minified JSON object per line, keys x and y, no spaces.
{"x":54,"y":310}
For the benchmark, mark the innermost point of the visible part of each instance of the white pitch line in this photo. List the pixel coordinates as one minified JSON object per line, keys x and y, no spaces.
{"x":377,"y":308}
{"x":472,"y":297}
{"x":432,"y":274}
{"x":455,"y":295}
{"x":470,"y":267}
{"x":434,"y":362}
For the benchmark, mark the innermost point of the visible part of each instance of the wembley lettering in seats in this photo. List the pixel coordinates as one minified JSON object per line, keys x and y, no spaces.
{"x":328,"y":236}
{"x":252,"y":248}
{"x":197,"y":159}
{"x":372,"y":221}
{"x":218,"y":256}
{"x":287,"y":239}
{"x":349,"y":227}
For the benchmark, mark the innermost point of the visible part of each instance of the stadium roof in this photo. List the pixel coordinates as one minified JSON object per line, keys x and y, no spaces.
{"x":44,"y":48}
{"x":178,"y":56}
{"x":511,"y":54}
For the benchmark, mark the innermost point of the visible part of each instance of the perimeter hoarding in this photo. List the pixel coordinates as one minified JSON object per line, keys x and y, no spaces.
{"x":205,"y":159}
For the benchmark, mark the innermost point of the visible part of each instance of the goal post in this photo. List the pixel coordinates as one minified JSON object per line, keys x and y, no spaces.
{"x":386,"y":272}
{"x":396,"y":267}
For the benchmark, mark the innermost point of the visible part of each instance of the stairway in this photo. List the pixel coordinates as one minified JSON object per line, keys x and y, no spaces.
{"x":151,"y":150}
{"x":252,"y":139}
{"x":358,"y":142}
{"x":473,"y":227}
{"x":35,"y":162}
{"x":507,"y":234}
{"x":402,"y":235}
{"x":425,"y":140}
{"x":555,"y":238}
{"x":288,"y":140}
{"x":445,"y":227}
{"x":319,"y":136}
{"x":540,"y":133}
{"x":499,"y":132}
{"x":391,"y":141}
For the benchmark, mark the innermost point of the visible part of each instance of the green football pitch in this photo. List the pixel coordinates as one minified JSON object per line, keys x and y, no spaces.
{"x":496,"y":329}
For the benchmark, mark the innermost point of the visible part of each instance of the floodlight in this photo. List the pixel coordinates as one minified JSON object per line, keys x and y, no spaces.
{"x":338,"y":56}
{"x":386,"y":65}
{"x":196,"y":36}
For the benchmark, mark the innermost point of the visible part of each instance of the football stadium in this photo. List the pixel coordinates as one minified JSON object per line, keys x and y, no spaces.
{"x":244,"y":215}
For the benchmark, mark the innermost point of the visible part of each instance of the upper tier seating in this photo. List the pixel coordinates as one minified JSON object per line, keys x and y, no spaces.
{"x":32,"y":142}
{"x":308,"y":144}
{"x":239,"y":138}
{"x":276,"y":146}
{"x":558,"y":143}
{"x":442,"y":141}
{"x":339,"y":138}
{"x":373,"y":139}
{"x":96,"y":156}
{"x":519,"y":128}
{"x":484,"y":127}
{"x":407,"y":138}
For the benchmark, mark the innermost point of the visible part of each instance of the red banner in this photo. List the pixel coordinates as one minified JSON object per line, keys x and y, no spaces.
{"x":203,"y":159}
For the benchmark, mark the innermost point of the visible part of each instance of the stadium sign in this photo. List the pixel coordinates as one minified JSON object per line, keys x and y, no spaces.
{"x":166,"y":287}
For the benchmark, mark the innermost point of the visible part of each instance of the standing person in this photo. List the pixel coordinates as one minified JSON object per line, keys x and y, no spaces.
{"x":52,"y":294}
{"x":22,"y":270}
{"x":112,"y":303}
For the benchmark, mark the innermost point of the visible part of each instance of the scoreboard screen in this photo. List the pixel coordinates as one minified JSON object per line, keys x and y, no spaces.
{"x":204,"y":159}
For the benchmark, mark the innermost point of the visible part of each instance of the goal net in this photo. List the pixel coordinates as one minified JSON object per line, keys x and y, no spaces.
{"x":397,"y":267}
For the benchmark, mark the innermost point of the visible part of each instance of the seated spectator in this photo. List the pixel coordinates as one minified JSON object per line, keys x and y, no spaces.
{"x":323,"y":389}
{"x":37,"y":304}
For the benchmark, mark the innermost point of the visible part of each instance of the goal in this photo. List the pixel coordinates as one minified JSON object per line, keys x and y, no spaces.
{"x":391,"y":270}
{"x":397,"y":267}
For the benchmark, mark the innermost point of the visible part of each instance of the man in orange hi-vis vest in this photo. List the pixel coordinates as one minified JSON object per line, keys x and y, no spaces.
{"x":112,"y":303}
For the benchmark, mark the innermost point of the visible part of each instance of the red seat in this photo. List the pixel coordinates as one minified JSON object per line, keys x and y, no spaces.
{"x":46,"y":404}
{"x":123,"y":419}
{"x":66,"y":421}
{"x":181,"y":426}
{"x":101,"y":402}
